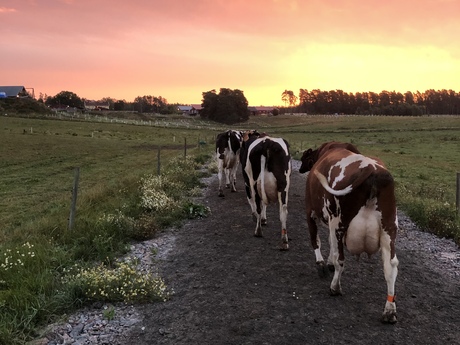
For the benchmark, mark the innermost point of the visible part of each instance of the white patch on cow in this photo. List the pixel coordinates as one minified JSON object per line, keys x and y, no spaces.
{"x":345,"y":162}
{"x":390,"y":266}
{"x":282,"y":143}
{"x":319,"y":257}
{"x":267,"y":187}
{"x":326,"y":209}
{"x":334,"y":222}
{"x":269,"y":191}
{"x":334,"y":254}
{"x":322,"y":179}
{"x":283,"y":214}
{"x":252,"y":201}
{"x":363,"y":235}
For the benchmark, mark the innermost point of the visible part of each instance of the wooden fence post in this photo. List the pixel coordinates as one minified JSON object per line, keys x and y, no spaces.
{"x":159,"y":162}
{"x":457,"y":203}
{"x":185,"y":147}
{"x":73,"y":205}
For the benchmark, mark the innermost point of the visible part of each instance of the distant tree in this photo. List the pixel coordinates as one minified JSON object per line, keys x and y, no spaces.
{"x":289,"y":98}
{"x":65,"y":98}
{"x":229,"y":106}
{"x":384,"y":99}
{"x":110,"y":101}
{"x":409,"y":98}
{"x":119,"y":105}
{"x":152,"y":104}
{"x":42,"y":97}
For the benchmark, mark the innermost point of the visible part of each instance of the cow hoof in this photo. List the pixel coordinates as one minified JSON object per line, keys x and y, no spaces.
{"x":323,"y":272}
{"x":284,"y":246}
{"x":333,"y":292}
{"x":263,"y":222}
{"x":227,"y":186}
{"x":221,"y":194}
{"x":389,"y":318}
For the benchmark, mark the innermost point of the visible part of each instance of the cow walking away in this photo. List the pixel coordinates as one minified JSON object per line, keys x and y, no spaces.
{"x":266,"y":165}
{"x":228,"y":146}
{"x":354,"y":195}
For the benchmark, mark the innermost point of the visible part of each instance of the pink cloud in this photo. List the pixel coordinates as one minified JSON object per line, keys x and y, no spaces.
{"x":7,"y":10}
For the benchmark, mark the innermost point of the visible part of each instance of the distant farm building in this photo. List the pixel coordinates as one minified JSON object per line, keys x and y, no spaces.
{"x":196,"y":109}
{"x":95,"y":105}
{"x":15,"y":91}
{"x":184,"y":109}
{"x":261,"y":110}
{"x":193,"y":109}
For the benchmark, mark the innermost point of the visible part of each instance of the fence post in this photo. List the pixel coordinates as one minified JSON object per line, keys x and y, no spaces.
{"x":159,"y":162}
{"x":73,"y":205}
{"x":457,"y":204}
{"x":185,"y":147}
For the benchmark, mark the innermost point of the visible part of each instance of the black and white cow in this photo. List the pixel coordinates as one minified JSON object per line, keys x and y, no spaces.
{"x":228,"y":146}
{"x":354,"y":195}
{"x":266,"y":165}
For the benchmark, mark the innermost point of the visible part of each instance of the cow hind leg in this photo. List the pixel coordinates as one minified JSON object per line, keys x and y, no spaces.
{"x":259,"y":207}
{"x":220,"y":176}
{"x":227,"y":178}
{"x":284,"y":236}
{"x":390,"y":268}
{"x":258,"y":231}
{"x":263,"y":215}
{"x":337,"y":256}
{"x":234,"y":178}
{"x":316,"y":245}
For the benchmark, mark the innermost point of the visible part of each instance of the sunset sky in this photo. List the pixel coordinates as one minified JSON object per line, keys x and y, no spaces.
{"x":178,"y":49}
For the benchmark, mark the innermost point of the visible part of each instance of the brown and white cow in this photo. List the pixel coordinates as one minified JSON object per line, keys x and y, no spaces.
{"x":354,"y":195}
{"x":228,"y":146}
{"x":266,"y":164}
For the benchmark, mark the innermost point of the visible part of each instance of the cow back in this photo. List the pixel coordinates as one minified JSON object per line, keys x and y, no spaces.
{"x":344,"y":169}
{"x":230,"y":139}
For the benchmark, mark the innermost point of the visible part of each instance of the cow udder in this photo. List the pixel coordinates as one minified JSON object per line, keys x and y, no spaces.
{"x":363,"y":234}
{"x":271,"y":189}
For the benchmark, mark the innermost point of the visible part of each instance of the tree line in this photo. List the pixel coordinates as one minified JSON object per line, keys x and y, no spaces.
{"x":141,"y":104}
{"x":231,"y":106}
{"x":228,"y":106}
{"x":429,"y":102}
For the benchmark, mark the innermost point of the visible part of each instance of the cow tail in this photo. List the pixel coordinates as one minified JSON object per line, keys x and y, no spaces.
{"x":323,"y":180}
{"x":262,"y":178}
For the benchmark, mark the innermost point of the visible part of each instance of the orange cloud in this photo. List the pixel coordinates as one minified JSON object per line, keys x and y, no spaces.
{"x":6,"y":10}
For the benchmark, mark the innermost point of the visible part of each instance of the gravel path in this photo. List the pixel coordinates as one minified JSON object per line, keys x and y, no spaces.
{"x":232,"y":288}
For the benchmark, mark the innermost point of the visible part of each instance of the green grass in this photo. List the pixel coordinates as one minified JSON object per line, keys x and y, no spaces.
{"x":37,"y":168}
{"x":118,"y":166}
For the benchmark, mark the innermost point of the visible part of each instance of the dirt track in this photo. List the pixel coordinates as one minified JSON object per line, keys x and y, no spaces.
{"x":233,"y":288}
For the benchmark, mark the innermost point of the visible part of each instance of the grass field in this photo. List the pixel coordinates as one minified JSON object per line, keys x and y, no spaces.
{"x":37,"y":168}
{"x":38,"y":158}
